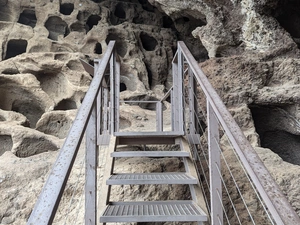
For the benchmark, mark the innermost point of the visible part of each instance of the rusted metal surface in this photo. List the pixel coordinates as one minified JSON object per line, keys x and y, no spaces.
{"x":48,"y":201}
{"x":275,"y":200}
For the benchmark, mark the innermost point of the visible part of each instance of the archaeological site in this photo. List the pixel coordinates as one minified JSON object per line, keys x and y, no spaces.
{"x":149,"y":112}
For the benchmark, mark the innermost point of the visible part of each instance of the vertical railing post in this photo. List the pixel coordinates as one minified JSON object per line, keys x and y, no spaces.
{"x":99,"y":117}
{"x":159,"y":117}
{"x":179,"y":102}
{"x":112,"y":94}
{"x":174,"y":94}
{"x":214,"y":166}
{"x":192,"y":103}
{"x":91,"y":169}
{"x":117,"y":92}
{"x":105,"y":111}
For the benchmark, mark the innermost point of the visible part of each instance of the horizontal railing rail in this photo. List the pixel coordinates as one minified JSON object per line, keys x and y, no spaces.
{"x":49,"y":199}
{"x":275,"y":201}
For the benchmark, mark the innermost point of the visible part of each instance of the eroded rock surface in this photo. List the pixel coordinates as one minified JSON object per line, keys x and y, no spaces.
{"x":254,"y":66}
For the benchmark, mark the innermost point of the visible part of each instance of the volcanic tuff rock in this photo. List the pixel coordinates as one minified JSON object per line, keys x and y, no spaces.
{"x":247,"y":48}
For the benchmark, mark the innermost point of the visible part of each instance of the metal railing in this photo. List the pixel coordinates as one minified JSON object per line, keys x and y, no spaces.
{"x":93,"y":120}
{"x":221,"y":150}
{"x":239,"y":188}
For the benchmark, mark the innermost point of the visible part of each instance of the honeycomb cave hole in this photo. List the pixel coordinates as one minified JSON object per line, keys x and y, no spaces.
{"x":272,"y":126}
{"x":288,"y":16}
{"x":30,"y":146}
{"x":65,"y":104}
{"x":123,"y":87}
{"x":98,"y":48}
{"x":168,"y":22}
{"x":121,"y":46}
{"x":6,"y":143}
{"x":66,"y":8}
{"x":92,"y":21}
{"x":119,"y":11}
{"x":119,"y":15}
{"x":15,"y":47}
{"x":56,"y":27}
{"x":28,"y":17}
{"x":146,"y":5}
{"x":149,"y":43}
{"x":183,"y":27}
{"x":78,"y":27}
{"x":30,"y":109}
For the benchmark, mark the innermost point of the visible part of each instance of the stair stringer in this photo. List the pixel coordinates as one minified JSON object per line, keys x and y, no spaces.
{"x":104,"y":194}
{"x":196,"y":191}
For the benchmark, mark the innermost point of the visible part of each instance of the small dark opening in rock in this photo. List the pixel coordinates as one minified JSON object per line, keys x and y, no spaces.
{"x":123,"y":87}
{"x":6,"y":143}
{"x":65,"y":104}
{"x":78,"y":26}
{"x":186,"y":19}
{"x":28,"y":17}
{"x":98,"y":48}
{"x":288,"y":15}
{"x":149,"y":74}
{"x":66,"y":8}
{"x":146,"y":5}
{"x":15,"y":47}
{"x":56,"y":26}
{"x":119,"y":11}
{"x":121,"y":46}
{"x":32,"y":111}
{"x":93,"y":21}
{"x":10,"y":71}
{"x":91,"y":62}
{"x":97,"y":1}
{"x":274,"y":126}
{"x":168,"y":22}
{"x":149,"y":43}
{"x":82,"y":15}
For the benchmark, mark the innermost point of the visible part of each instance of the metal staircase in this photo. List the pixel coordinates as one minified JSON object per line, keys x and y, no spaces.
{"x":155,"y":211}
{"x":207,"y":135}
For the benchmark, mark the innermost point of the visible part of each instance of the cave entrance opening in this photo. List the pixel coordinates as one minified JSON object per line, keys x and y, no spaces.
{"x":275,"y":132}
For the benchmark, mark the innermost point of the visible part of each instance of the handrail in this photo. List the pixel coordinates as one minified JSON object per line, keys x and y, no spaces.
{"x":48,"y":201}
{"x":275,"y":200}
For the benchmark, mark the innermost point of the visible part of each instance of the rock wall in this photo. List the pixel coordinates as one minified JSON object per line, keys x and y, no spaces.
{"x":247,"y":48}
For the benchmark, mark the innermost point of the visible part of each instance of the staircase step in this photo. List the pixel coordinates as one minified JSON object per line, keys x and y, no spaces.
{"x":151,"y":178}
{"x":150,"y":154}
{"x":156,"y":211}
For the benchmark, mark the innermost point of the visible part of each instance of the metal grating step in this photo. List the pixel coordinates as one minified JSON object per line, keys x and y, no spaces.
{"x":151,"y":178}
{"x":150,"y":154}
{"x":157,"y":211}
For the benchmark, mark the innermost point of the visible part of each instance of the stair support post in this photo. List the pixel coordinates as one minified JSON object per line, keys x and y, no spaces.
{"x":159,"y":117}
{"x":214,"y":167}
{"x":91,"y":169}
